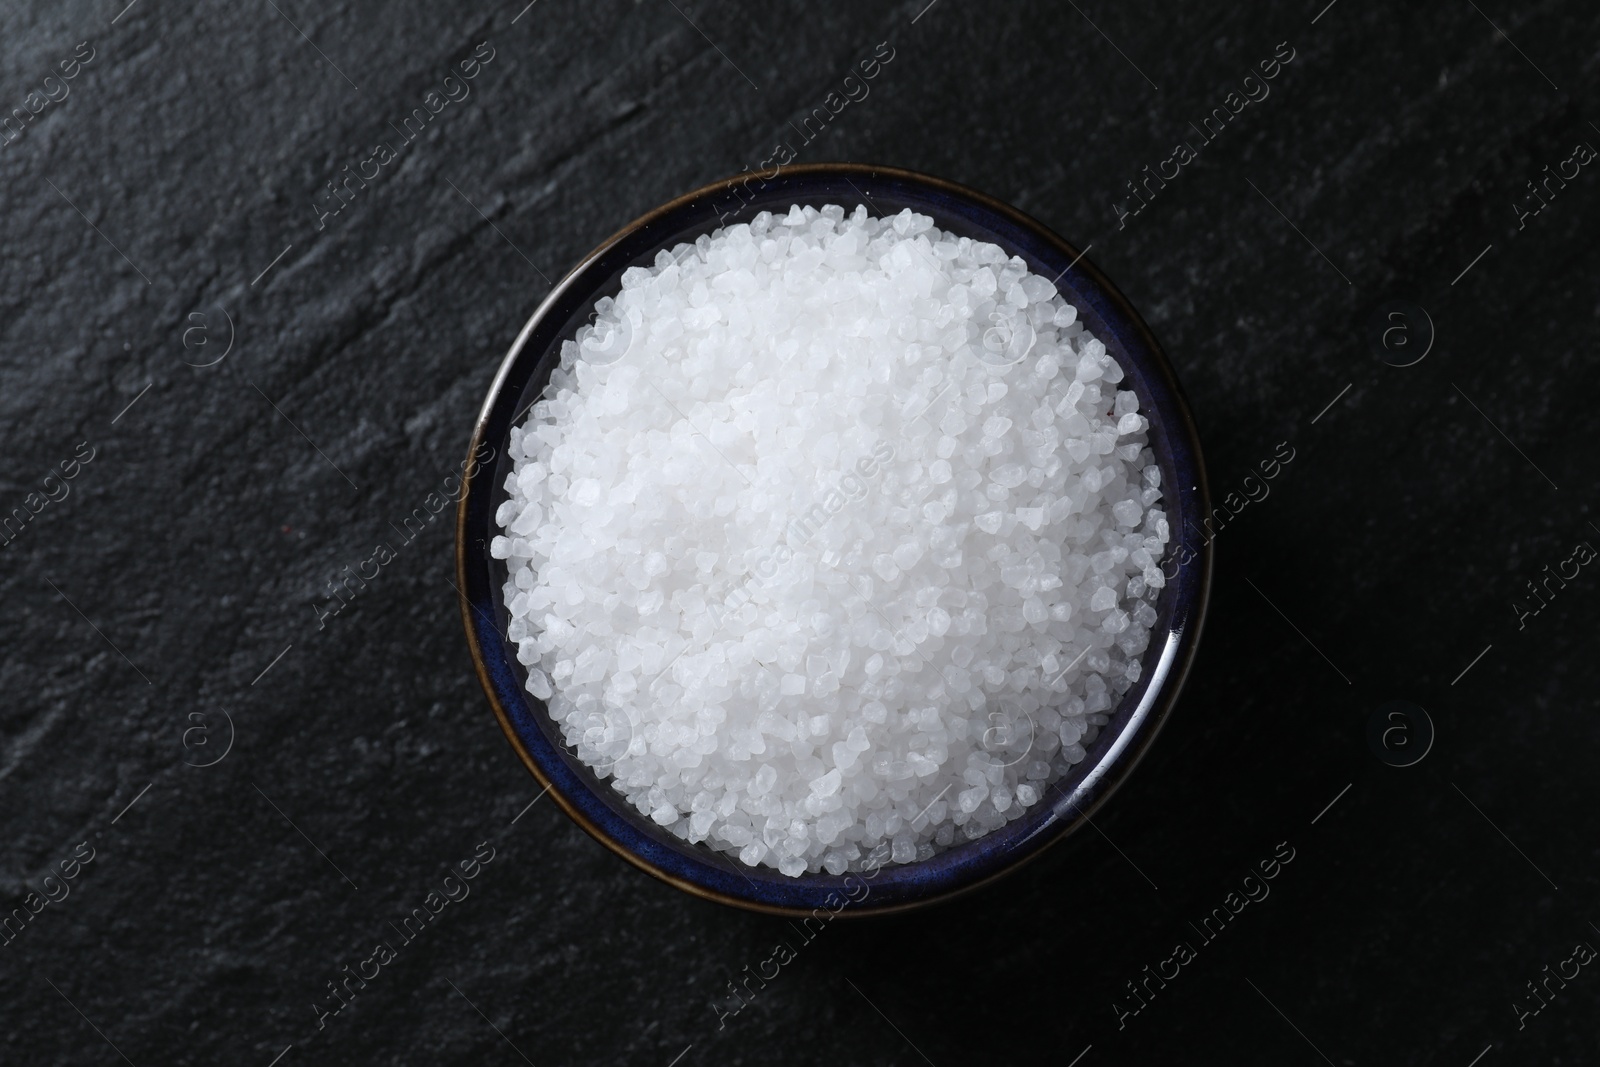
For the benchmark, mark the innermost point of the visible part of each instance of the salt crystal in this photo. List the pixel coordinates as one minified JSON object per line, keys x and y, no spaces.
{"x":784,"y":593}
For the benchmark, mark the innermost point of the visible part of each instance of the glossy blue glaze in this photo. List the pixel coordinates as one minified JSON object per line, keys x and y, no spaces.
{"x":698,"y":869}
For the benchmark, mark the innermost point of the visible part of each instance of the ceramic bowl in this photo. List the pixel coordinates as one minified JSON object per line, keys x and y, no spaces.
{"x":1133,"y":723}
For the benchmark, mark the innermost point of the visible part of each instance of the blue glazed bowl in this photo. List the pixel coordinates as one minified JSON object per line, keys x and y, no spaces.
{"x":1070,"y":801}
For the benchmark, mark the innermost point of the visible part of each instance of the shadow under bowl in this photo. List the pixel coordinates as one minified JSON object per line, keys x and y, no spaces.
{"x":1069,"y":801}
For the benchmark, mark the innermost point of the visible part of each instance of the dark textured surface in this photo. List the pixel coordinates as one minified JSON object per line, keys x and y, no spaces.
{"x":195,"y":546}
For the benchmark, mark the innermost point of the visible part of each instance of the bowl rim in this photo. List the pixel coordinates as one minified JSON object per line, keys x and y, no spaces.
{"x":1187,"y":637}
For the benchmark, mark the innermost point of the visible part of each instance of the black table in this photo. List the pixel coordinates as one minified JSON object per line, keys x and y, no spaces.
{"x":221,"y":794}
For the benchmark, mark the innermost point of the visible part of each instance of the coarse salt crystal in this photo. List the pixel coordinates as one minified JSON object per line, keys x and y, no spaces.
{"x":810,"y":562}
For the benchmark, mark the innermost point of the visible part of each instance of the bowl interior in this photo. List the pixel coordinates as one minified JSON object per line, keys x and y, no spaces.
{"x":592,"y":801}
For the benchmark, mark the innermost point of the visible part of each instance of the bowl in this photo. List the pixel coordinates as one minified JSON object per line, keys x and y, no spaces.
{"x":1071,"y":800}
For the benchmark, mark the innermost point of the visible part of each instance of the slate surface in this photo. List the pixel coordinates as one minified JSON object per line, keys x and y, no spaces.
{"x":168,"y":204}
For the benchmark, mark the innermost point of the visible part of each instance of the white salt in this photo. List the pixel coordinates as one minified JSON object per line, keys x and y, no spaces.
{"x":832,"y":532}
